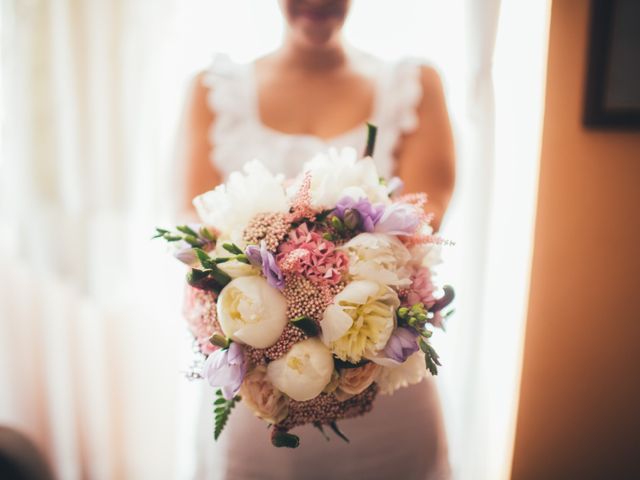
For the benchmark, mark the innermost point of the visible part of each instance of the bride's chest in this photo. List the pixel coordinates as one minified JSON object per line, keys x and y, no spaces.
{"x":321,"y":107}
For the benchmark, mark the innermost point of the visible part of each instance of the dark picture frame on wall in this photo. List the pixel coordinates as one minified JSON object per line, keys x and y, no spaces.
{"x":612,"y":98}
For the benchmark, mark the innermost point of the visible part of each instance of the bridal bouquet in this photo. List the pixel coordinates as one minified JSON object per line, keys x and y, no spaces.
{"x":310,"y":296}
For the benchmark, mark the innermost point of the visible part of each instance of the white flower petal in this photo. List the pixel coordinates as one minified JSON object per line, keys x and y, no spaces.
{"x":334,"y":324}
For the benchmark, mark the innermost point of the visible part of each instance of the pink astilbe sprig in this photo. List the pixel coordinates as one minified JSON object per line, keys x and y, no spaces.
{"x":301,"y":203}
{"x":419,"y":200}
{"x":427,"y":239}
{"x":307,"y":253}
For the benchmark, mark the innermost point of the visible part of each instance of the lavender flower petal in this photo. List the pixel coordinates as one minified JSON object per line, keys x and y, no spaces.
{"x":226,"y":369}
{"x":368,"y":213}
{"x":402,"y":344}
{"x":399,"y":219}
{"x":263,"y":258}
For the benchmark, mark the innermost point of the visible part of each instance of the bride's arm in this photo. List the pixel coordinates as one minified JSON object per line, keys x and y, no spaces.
{"x":426,"y":160}
{"x":195,"y":146}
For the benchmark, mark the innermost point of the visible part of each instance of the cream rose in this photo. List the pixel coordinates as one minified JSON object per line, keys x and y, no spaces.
{"x":259,"y":394}
{"x":353,"y":381}
{"x":251,"y":311}
{"x":411,"y":371}
{"x":378,"y":257}
{"x":304,"y":371}
{"x":360,"y":320}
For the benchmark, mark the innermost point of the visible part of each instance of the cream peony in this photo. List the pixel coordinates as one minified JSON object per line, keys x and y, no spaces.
{"x":339,"y":173}
{"x":360,"y":320}
{"x":262,"y":398}
{"x":304,"y":371}
{"x":230,"y":206}
{"x":411,"y":371}
{"x":353,"y":381}
{"x":252,"y":312}
{"x":378,"y":257}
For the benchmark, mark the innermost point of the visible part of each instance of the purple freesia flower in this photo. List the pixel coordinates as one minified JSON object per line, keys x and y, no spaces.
{"x":225,"y":369}
{"x":399,"y":219}
{"x":186,"y":254}
{"x":263,"y":258}
{"x":402,"y":344}
{"x":360,"y":213}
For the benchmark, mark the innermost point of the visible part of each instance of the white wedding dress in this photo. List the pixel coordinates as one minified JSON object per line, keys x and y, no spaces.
{"x":403,"y":437}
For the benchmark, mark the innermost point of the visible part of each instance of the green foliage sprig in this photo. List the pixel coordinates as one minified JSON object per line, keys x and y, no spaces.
{"x":417,"y":318}
{"x":222,"y":410}
{"x":187,"y":234}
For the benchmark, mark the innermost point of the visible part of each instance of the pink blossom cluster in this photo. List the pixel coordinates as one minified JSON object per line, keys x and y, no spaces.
{"x":307,"y":253}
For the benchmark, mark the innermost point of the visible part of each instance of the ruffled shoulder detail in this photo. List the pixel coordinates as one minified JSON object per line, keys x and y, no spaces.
{"x":402,"y":95}
{"x":397,"y":110}
{"x":229,"y":99}
{"x":226,"y":81}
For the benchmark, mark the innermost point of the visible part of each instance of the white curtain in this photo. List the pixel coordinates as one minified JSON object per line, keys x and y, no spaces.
{"x":91,"y":341}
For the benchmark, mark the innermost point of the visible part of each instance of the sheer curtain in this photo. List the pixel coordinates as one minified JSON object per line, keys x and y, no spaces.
{"x":91,"y":341}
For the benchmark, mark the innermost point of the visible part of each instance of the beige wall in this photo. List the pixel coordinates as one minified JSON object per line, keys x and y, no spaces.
{"x":579,"y":414}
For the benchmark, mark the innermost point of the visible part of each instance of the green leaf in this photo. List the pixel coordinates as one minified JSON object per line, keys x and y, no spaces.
{"x":334,"y":427}
{"x":187,"y":230}
{"x":219,"y":276}
{"x":219,"y":340}
{"x":206,"y":233}
{"x":318,"y":425}
{"x":232,"y":248}
{"x":205,"y":260}
{"x":160,"y":232}
{"x":307,"y":325}
{"x":222,"y":412}
{"x":431,"y":358}
{"x":372,"y":132}
{"x":243,"y":258}
{"x":193,"y":241}
{"x":344,"y":364}
{"x":284,"y":439}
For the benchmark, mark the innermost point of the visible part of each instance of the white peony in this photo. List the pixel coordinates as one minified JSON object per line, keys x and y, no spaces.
{"x":230,"y":206}
{"x":340,"y":173}
{"x":304,"y":371}
{"x":252,"y":312}
{"x":378,"y":257}
{"x":360,"y":320}
{"x":411,"y":371}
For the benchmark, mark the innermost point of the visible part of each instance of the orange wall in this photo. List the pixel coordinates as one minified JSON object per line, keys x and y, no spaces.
{"x":579,"y":414}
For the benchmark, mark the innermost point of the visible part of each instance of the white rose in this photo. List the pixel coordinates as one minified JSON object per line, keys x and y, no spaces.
{"x":304,"y":371}
{"x":411,"y":371}
{"x":340,"y":173}
{"x":251,"y":311}
{"x":378,"y":257}
{"x":360,"y":320}
{"x":230,"y":207}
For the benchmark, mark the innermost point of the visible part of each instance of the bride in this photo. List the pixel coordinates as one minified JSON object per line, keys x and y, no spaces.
{"x":312,"y":93}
